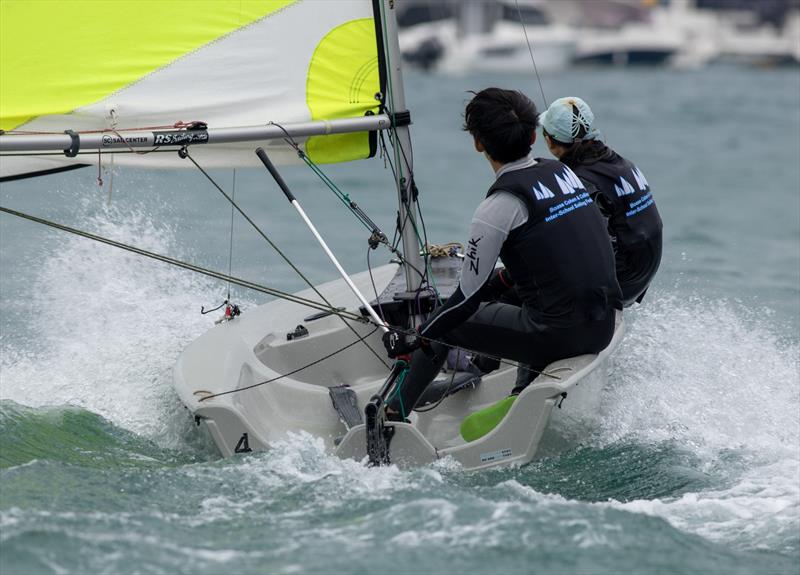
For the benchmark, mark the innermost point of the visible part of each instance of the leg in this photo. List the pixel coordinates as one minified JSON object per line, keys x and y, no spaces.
{"x":497,"y":329}
{"x":507,"y":331}
{"x":422,"y":371}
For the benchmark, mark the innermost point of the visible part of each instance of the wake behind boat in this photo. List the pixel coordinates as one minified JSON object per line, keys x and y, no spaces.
{"x":312,"y":83}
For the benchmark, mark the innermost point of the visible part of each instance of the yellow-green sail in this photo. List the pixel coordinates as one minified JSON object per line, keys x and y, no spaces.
{"x":89,"y":65}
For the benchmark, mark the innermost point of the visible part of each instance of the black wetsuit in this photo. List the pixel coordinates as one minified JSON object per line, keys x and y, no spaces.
{"x":623,"y":195}
{"x":540,"y":220}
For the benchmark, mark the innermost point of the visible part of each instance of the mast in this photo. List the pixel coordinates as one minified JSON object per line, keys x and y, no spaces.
{"x":396,"y":105}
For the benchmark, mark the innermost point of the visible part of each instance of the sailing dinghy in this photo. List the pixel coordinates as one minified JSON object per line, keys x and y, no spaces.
{"x":205,"y":84}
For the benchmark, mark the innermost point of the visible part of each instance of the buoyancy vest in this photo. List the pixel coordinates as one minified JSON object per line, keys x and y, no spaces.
{"x":626,"y":197}
{"x":560,"y":259}
{"x":634,"y":223}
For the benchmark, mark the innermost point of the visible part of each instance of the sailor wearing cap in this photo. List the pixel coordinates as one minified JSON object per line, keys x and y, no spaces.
{"x":539,"y":219}
{"x":618,"y":188}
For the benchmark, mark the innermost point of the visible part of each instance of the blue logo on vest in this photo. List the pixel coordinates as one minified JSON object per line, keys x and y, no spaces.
{"x":543,"y":192}
{"x":640,"y":180}
{"x":624,"y":189}
{"x":569,"y":182}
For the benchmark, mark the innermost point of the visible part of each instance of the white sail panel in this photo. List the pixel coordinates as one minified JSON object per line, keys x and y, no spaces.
{"x":302,"y":60}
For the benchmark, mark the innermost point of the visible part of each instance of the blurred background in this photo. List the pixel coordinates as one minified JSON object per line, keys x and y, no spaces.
{"x":463,"y":36}
{"x":692,"y":464}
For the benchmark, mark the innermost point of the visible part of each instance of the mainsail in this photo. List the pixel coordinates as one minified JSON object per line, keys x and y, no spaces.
{"x":128,"y":77}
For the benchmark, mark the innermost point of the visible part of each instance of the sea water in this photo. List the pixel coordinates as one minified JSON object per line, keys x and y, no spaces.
{"x":692,"y":464}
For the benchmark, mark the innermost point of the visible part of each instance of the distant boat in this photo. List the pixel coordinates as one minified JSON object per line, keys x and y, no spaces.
{"x":763,"y":47}
{"x":633,"y":44}
{"x":490,"y":38}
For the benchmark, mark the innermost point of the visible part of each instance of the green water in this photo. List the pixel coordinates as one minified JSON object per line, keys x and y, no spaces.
{"x":692,"y":464}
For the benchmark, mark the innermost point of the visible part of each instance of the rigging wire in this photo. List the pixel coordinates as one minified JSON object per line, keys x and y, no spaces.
{"x":530,"y":51}
{"x":360,"y":215}
{"x":345,"y":315}
{"x":191,"y":267}
{"x":424,"y":277}
{"x":375,"y":289}
{"x":378,"y":237}
{"x":429,"y":276}
{"x":185,"y":153}
{"x":230,"y":245}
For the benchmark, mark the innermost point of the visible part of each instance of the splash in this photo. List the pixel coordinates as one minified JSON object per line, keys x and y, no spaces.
{"x":714,"y":378}
{"x":105,"y":327}
{"x":708,"y":373}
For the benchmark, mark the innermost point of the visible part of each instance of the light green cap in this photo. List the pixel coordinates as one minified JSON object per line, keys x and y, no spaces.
{"x":565,"y":117}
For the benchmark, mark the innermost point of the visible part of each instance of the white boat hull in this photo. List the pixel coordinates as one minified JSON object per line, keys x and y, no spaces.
{"x":253,"y":348}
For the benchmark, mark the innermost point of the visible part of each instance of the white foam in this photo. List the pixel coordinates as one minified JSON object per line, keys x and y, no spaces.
{"x":713,"y":378}
{"x":106,"y":326}
{"x":707,"y":373}
{"x":761,"y":510}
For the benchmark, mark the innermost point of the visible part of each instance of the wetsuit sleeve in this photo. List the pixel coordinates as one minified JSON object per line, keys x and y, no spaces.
{"x":494,"y":219}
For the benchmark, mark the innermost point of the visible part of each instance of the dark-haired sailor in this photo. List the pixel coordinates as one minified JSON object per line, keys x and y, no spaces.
{"x":540,"y":220}
{"x":618,"y":188}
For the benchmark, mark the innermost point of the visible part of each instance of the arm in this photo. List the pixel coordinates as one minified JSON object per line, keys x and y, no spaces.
{"x":599,"y":198}
{"x":494,"y":219}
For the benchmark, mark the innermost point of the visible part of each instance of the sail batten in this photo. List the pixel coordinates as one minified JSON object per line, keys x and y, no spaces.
{"x":130,"y":66}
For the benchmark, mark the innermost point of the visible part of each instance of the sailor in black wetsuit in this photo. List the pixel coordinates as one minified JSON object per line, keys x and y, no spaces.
{"x":618,"y":188}
{"x":540,"y":220}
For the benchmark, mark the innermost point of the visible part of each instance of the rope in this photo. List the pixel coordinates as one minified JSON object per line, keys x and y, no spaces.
{"x":299,"y":369}
{"x":179,"y":125}
{"x":407,"y":218}
{"x":230,"y":245}
{"x":276,"y":248}
{"x":191,"y":267}
{"x":345,"y":315}
{"x":360,"y":215}
{"x":444,"y":250}
{"x":377,"y":237}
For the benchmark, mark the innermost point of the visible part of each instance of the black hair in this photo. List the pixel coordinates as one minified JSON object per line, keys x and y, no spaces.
{"x":503,"y":121}
{"x":582,"y":151}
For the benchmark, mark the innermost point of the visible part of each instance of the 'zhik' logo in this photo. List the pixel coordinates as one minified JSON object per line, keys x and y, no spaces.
{"x":472,"y":254}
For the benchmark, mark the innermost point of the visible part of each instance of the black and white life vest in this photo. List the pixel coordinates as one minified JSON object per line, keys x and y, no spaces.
{"x":624,"y":195}
{"x":561,"y":259}
{"x":633,"y":216}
